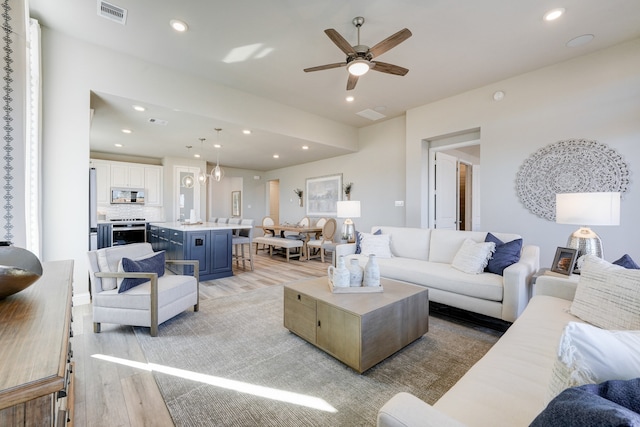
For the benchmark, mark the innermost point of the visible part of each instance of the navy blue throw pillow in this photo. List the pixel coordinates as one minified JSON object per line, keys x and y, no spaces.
{"x":626,"y":262}
{"x":153,"y":264}
{"x":359,"y":238}
{"x":505,"y":254}
{"x":611,"y":403}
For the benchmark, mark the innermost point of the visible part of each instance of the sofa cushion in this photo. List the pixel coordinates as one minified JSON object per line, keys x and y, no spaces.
{"x":607,"y":295}
{"x":590,"y":355}
{"x":472,"y":257}
{"x":627,"y":262}
{"x":108,"y":259}
{"x":408,"y":242}
{"x":170,"y":288}
{"x":435,"y":275}
{"x":612,"y":403}
{"x":147,"y":264}
{"x":505,"y":254}
{"x":380,"y":245}
{"x":445,"y":243}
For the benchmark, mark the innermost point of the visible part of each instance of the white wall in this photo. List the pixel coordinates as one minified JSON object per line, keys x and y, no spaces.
{"x":376,"y":170}
{"x":594,"y":97}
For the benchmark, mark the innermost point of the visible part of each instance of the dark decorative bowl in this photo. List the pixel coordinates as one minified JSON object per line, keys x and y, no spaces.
{"x":19,"y":268}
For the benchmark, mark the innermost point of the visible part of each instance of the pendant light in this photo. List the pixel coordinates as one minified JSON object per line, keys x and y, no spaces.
{"x":202,"y":176}
{"x":187,"y":180}
{"x":217,"y":173}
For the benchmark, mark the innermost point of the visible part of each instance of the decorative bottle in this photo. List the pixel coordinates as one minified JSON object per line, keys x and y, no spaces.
{"x":372,"y":272}
{"x":339,"y":275}
{"x":355,"y":273}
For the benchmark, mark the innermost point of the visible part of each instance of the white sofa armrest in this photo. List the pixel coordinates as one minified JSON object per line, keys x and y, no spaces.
{"x":404,"y":410}
{"x":344,"y":249}
{"x":517,"y":279}
{"x":559,"y":287}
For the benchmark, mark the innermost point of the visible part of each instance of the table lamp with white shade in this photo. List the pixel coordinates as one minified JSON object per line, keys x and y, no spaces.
{"x":348,"y":209}
{"x":587,"y":209}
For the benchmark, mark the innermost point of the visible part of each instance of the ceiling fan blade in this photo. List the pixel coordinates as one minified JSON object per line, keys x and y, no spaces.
{"x":390,"y":42}
{"x":383,"y":67}
{"x":351,"y":82}
{"x":339,"y":41}
{"x":325,"y":67}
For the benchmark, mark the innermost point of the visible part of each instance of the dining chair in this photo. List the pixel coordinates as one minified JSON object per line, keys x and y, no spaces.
{"x":222,"y":220}
{"x":325,"y":242}
{"x":263,"y":240}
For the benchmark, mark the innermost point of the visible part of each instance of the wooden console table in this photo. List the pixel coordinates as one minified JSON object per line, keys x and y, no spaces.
{"x":36,"y":373}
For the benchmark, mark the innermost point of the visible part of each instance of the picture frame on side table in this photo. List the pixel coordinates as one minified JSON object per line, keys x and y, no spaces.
{"x":564,"y":261}
{"x":322,"y":195}
{"x":236,"y":204}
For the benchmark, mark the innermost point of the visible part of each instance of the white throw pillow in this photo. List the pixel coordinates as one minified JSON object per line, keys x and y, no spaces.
{"x":590,"y":355}
{"x":378,"y":245}
{"x":607,"y":295}
{"x":472,"y":257}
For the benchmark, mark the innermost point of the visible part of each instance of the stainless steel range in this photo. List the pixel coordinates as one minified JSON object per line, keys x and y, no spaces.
{"x":128,"y":230}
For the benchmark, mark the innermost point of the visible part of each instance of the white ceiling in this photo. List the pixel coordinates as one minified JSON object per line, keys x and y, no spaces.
{"x":457,"y":45}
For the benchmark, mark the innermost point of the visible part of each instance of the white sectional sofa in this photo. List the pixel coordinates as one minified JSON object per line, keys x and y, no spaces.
{"x":541,"y":354}
{"x":424,"y":256}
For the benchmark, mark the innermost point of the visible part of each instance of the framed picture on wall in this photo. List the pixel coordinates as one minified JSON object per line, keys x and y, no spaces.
{"x":322,"y":195}
{"x":564,"y":261}
{"x":236,"y":203}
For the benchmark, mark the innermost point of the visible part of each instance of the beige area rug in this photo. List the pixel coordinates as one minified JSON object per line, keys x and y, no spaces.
{"x":238,"y":342}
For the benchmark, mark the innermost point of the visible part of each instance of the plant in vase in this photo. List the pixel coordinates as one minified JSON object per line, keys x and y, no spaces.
{"x":347,"y":190}
{"x":299,"y":194}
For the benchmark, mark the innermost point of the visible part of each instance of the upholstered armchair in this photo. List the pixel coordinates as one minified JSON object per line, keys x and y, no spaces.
{"x":152,"y":297}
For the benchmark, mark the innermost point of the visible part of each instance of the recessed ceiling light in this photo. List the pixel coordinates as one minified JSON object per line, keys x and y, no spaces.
{"x":217,"y":145}
{"x":179,"y":25}
{"x":276,"y":156}
{"x":139,"y":108}
{"x":118,"y":145}
{"x":247,"y":132}
{"x":126,"y":131}
{"x":553,"y":14}
{"x":349,"y":98}
{"x":197,"y":156}
{"x":305,"y":147}
{"x":498,"y":95}
{"x":580,"y":40}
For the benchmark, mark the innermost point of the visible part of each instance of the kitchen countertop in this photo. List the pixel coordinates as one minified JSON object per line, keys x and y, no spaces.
{"x":199,"y":227}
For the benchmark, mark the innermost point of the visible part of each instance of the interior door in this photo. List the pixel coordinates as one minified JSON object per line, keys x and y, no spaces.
{"x":446,"y":191}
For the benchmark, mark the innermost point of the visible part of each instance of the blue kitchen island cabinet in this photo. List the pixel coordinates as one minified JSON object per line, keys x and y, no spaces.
{"x":209,"y":243}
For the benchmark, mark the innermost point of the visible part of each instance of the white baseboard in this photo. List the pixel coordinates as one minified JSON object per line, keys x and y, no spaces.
{"x":82,"y":299}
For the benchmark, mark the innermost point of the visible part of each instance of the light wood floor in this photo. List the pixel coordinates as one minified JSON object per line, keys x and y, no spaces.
{"x":111,"y":394}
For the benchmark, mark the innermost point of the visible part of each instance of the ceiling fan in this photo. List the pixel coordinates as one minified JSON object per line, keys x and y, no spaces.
{"x":360,"y":57}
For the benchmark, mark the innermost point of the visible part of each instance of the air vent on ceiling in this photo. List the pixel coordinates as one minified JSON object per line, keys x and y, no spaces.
{"x":158,"y":121}
{"x":112,"y":12}
{"x":371,"y":114}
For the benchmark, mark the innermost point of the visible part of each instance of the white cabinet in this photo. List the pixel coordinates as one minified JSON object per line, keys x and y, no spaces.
{"x":153,"y":185}
{"x":103,"y":180}
{"x":127,"y":175}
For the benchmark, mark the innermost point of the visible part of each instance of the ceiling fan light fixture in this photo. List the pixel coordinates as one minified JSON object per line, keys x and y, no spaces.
{"x":359,"y":67}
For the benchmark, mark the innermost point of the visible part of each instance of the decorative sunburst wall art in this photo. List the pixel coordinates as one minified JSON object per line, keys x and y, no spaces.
{"x":569,"y":166}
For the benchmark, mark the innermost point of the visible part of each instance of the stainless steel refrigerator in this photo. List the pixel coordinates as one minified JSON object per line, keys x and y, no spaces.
{"x":93,"y":210}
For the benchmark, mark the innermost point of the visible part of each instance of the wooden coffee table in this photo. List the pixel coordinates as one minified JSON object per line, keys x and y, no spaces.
{"x":360,"y":329}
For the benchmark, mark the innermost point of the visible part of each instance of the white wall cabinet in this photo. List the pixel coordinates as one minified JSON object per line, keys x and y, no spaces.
{"x":128,"y":175}
{"x":153,"y":185}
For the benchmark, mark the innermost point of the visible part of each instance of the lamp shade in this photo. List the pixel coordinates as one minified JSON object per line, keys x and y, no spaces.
{"x":588,"y":208}
{"x":349,"y":209}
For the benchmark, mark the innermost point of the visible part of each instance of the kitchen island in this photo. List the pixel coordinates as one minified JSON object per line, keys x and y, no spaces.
{"x":209,"y":243}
